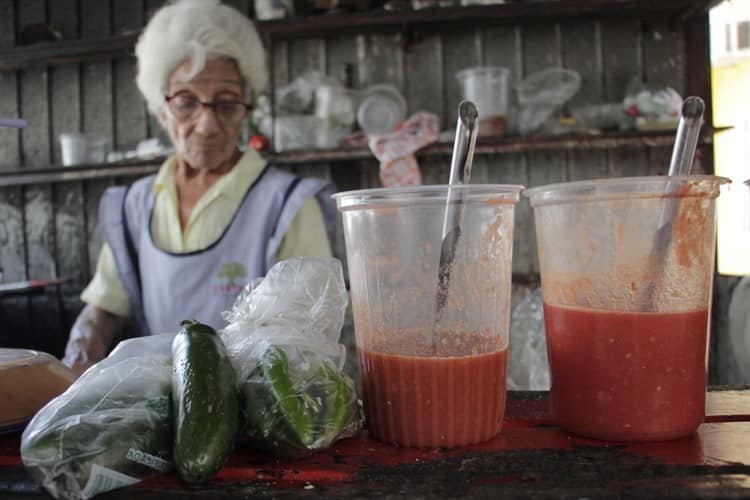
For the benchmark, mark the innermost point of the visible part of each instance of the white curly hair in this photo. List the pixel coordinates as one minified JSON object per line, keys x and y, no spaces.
{"x":197,"y":30}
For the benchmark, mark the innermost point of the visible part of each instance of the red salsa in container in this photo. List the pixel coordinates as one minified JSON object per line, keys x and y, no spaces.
{"x":433,"y":401}
{"x":627,"y":376}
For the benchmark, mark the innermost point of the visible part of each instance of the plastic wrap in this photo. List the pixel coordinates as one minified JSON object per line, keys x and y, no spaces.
{"x":282,"y":339}
{"x":111,"y":428}
{"x":541,"y":94}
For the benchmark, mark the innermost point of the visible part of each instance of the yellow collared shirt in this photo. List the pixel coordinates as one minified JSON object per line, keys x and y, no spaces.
{"x":210,"y":216}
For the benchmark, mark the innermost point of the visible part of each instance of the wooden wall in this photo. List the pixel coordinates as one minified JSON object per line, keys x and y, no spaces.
{"x":49,"y":230}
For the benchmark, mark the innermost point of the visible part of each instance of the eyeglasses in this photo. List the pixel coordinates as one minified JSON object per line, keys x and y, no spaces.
{"x":186,"y":107}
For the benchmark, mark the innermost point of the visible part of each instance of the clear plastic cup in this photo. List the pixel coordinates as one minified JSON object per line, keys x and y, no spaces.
{"x":430,"y":381}
{"x":627,"y":273}
{"x":487,"y":87}
{"x":73,"y":149}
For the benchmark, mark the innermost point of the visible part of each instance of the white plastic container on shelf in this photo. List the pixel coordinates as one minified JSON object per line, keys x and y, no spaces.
{"x":295,"y":132}
{"x":80,"y":149}
{"x":487,"y":87}
{"x":382,"y":109}
{"x":73,"y":149}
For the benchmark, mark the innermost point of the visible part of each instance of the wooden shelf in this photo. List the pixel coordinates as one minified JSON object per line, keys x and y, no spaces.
{"x":73,"y":51}
{"x":57,"y":173}
{"x":480,"y":15}
{"x":53,"y":174}
{"x":508,"y":145}
{"x":64,"y":52}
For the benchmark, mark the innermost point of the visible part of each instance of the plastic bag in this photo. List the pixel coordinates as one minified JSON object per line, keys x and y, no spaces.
{"x":282,"y":339}
{"x":111,"y":428}
{"x":395,"y":150}
{"x":652,"y":107}
{"x":541,"y":94}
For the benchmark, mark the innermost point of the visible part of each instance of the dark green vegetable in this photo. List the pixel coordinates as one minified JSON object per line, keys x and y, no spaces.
{"x":291,"y":414}
{"x":110,"y":429}
{"x":204,"y":398}
{"x":338,"y":398}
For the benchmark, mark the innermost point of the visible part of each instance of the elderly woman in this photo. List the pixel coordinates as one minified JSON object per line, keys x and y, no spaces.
{"x":182,"y":243}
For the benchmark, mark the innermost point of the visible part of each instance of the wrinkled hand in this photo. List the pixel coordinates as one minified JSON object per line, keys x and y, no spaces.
{"x":92,"y":336}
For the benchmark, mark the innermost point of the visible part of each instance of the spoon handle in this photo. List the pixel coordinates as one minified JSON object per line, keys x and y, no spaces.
{"x":691,"y":119}
{"x":461,"y":160}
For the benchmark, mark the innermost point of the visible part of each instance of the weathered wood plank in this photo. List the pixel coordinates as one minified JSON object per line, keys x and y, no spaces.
{"x":461,"y":49}
{"x":44,"y":327}
{"x":658,"y":160}
{"x":542,"y":49}
{"x":622,"y":61}
{"x":153,"y":127}
{"x":502,"y":46}
{"x":513,"y":169}
{"x":306,"y":55}
{"x":64,"y":86}
{"x":241,"y":5}
{"x":63,"y":17}
{"x":96,"y":83}
{"x":64,"y":101}
{"x":69,"y":216}
{"x":545,"y":170}
{"x":663,"y":55}
{"x":423,"y":76}
{"x":35,"y":138}
{"x":383,"y":60}
{"x":12,"y":247}
{"x":97,"y":109}
{"x":582,"y":52}
{"x":341,"y":51}
{"x":93,"y":191}
{"x":9,"y":138}
{"x":627,"y":162}
{"x":33,"y":83}
{"x":14,"y":311}
{"x":621,"y":56}
{"x":7,"y":24}
{"x":150,"y":7}
{"x":435,"y":170}
{"x":130,"y":115}
{"x":10,"y":158}
{"x":280,"y":55}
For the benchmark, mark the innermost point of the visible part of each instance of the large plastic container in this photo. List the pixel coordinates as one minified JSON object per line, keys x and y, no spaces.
{"x":430,"y":381}
{"x":487,"y":87}
{"x":627,"y":270}
{"x":28,"y":381}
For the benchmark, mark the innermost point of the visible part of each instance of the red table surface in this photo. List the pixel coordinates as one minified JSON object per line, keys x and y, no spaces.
{"x":530,"y":458}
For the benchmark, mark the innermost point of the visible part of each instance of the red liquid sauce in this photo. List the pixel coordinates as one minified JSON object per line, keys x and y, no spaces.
{"x":627,"y":376}
{"x":433,"y":402}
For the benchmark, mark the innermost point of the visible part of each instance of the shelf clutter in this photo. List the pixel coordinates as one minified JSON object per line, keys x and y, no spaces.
{"x":73,"y":51}
{"x":604,"y":141}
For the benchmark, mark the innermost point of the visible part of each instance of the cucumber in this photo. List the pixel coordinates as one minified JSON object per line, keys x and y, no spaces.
{"x":204,"y":402}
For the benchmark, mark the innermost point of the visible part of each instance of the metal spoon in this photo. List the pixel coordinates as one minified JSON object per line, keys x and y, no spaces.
{"x":691,"y":119}
{"x":463,"y":153}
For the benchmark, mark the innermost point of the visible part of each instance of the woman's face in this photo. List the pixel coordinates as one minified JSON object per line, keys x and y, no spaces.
{"x":204,"y":138}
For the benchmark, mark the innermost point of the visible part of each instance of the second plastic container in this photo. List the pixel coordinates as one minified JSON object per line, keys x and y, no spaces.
{"x":430,"y":382}
{"x":627,"y":273}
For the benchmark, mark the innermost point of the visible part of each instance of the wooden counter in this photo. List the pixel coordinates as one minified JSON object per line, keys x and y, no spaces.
{"x":531,"y":458}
